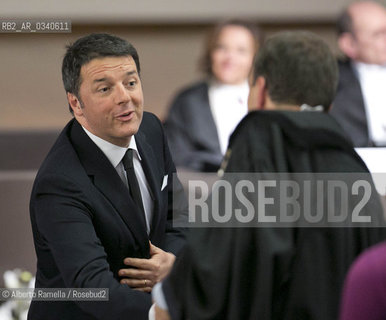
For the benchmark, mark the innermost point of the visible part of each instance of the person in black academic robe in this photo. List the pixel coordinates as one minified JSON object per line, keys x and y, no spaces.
{"x":292,"y":272}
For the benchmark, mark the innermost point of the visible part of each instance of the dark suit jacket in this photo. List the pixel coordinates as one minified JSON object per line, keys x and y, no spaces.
{"x":84,"y":222}
{"x":348,"y":107}
{"x":192,"y":132}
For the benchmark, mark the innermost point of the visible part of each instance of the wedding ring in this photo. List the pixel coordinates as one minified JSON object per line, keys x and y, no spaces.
{"x":145,"y":282}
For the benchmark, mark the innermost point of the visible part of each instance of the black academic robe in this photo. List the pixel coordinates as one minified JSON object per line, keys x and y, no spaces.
{"x":274,"y":273}
{"x":192,"y":132}
{"x":348,"y":107}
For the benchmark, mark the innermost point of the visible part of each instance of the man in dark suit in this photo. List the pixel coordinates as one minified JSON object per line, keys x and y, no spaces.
{"x":360,"y":100}
{"x":101,"y":208}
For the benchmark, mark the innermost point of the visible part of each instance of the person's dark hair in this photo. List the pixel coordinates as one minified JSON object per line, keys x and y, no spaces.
{"x":205,"y":63}
{"x":299,"y":68}
{"x":85,"y":49}
{"x":344,"y":23}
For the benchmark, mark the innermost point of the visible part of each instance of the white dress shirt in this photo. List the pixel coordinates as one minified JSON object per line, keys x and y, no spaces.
{"x":229,"y":104}
{"x":158,"y":297}
{"x":372,"y":79}
{"x":115,"y":154}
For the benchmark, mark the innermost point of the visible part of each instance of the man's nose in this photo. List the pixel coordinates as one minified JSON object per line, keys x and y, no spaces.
{"x":121,"y":94}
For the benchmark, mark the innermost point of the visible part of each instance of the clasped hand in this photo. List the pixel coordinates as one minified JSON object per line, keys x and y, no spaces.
{"x":147,"y":272}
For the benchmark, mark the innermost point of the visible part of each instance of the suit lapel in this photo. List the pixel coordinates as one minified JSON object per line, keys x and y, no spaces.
{"x":154,"y":175}
{"x":108,"y":182}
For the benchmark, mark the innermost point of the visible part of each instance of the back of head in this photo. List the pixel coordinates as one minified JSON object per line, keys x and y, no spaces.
{"x":85,"y":49}
{"x":298,"y":68}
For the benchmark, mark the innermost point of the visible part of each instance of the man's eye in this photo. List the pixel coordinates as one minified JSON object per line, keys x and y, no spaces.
{"x":104,"y":89}
{"x":132,"y":83}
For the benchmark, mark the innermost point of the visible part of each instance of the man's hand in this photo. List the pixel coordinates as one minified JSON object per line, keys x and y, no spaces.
{"x":161,"y":314}
{"x":147,"y":272}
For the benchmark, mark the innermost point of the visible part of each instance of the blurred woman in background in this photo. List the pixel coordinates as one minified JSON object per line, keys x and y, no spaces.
{"x":203,"y":115}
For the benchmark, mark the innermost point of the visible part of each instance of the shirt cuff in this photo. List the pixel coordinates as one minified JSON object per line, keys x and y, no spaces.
{"x":159,"y":297}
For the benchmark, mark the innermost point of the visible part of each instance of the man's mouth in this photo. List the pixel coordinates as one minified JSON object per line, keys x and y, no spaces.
{"x":126,"y":116}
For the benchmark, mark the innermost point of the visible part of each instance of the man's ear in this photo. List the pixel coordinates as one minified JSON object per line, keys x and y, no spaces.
{"x":256,"y":98}
{"x":347,"y":45}
{"x":74,"y":104}
{"x":261,"y":86}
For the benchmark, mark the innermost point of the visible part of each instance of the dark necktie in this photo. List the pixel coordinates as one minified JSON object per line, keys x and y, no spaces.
{"x":135,"y":192}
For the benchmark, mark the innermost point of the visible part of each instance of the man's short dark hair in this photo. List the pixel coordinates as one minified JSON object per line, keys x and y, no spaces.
{"x":344,"y":23}
{"x":85,"y":49}
{"x":205,"y":63}
{"x":298,"y":68}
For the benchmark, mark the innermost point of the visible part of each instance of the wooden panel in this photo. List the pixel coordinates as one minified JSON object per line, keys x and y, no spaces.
{"x":32,"y":94}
